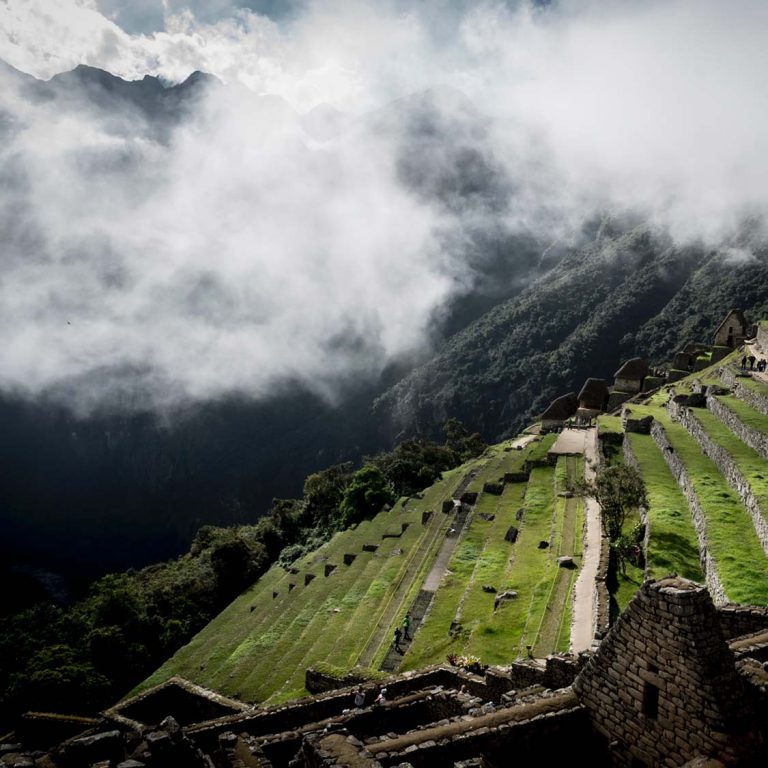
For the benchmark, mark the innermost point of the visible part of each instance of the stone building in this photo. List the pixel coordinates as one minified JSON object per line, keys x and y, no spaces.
{"x":629,"y":378}
{"x":593,"y":399}
{"x":663,"y":687}
{"x":733,"y":330}
{"x":558,"y":412}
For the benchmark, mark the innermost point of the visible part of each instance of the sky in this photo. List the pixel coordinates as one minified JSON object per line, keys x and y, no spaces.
{"x":246,"y":251}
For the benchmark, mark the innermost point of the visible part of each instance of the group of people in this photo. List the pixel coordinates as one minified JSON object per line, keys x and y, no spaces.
{"x":751,"y":360}
{"x":381,"y":693}
{"x":402,"y":634}
{"x":379,"y":699}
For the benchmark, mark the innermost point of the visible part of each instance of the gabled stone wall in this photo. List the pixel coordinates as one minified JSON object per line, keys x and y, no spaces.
{"x":663,"y":685}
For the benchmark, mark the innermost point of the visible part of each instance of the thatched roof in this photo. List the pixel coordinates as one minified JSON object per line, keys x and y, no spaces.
{"x":636,"y":368}
{"x":594,"y":394}
{"x":561,"y":408}
{"x":735,"y":316}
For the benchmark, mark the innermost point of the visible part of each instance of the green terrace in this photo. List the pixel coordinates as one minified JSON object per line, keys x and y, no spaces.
{"x":746,"y":413}
{"x":741,"y":562}
{"x":751,"y":465}
{"x":337,"y":607}
{"x":672,"y":543}
{"x":462,"y":619}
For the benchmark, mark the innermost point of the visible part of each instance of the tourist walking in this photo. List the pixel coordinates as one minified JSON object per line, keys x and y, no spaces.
{"x":407,"y":626}
{"x":396,"y":639}
{"x":359,"y":698}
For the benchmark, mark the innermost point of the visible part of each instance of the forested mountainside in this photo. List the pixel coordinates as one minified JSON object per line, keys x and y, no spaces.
{"x":631,"y":293}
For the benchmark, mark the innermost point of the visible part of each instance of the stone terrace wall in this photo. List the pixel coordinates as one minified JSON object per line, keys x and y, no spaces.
{"x":544,"y":740}
{"x":756,"y":440}
{"x":730,"y":379}
{"x":557,"y":672}
{"x":738,"y":620}
{"x":725,"y":463}
{"x":677,"y":468}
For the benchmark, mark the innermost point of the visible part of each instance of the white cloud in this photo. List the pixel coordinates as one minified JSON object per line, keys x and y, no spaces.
{"x":246,"y":254}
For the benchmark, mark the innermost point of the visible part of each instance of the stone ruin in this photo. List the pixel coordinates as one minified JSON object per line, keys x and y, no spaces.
{"x":675,"y":681}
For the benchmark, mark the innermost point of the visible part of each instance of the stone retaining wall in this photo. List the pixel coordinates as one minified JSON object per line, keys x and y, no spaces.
{"x":677,"y":468}
{"x":738,"y":620}
{"x":727,"y":466}
{"x":731,"y":380}
{"x":543,"y":740}
{"x":756,"y":440}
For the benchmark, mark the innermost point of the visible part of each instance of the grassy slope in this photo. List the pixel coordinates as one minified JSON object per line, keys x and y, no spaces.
{"x":741,"y":562}
{"x":259,"y":647}
{"x":751,"y":465}
{"x":673,"y":546}
{"x":239,"y":651}
{"x":746,"y":413}
{"x":485,"y":558}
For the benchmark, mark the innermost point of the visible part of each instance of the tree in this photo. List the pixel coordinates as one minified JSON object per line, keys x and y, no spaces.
{"x":368,"y":492}
{"x":617,"y":490}
{"x":459,"y":439}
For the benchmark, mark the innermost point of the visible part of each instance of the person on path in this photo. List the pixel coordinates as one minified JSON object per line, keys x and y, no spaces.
{"x":744,"y":363}
{"x":396,"y":639}
{"x":407,"y":626}
{"x":751,"y":359}
{"x":382,"y":697}
{"x":359,"y":698}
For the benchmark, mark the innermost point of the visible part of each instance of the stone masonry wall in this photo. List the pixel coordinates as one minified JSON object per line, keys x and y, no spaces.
{"x":663,"y":687}
{"x":756,"y":440}
{"x":738,"y":620}
{"x":677,"y":468}
{"x":762,"y":337}
{"x":543,"y":740}
{"x":725,"y":463}
{"x":731,"y":380}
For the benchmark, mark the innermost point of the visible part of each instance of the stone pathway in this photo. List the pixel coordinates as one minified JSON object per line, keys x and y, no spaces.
{"x":583,"y":623}
{"x":570,"y":442}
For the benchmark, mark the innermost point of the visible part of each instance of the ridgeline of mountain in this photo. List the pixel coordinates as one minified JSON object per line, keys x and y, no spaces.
{"x":629,"y":293}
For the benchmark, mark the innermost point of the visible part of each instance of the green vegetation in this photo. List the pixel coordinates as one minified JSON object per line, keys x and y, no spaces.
{"x":756,"y":385}
{"x":672,"y":543}
{"x":617,"y":489}
{"x":746,"y":413}
{"x":741,"y":562}
{"x":609,"y":425}
{"x":751,"y":465}
{"x":462,"y":620}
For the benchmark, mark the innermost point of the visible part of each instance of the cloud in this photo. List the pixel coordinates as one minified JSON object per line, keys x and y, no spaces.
{"x":236,"y":258}
{"x":240,"y":251}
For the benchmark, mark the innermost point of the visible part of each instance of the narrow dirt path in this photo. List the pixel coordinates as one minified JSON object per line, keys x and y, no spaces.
{"x":583,"y":624}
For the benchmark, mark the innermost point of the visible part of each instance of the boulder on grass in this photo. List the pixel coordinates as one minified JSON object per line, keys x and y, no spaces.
{"x":504,"y":597}
{"x":511,"y":534}
{"x":566,"y":561}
